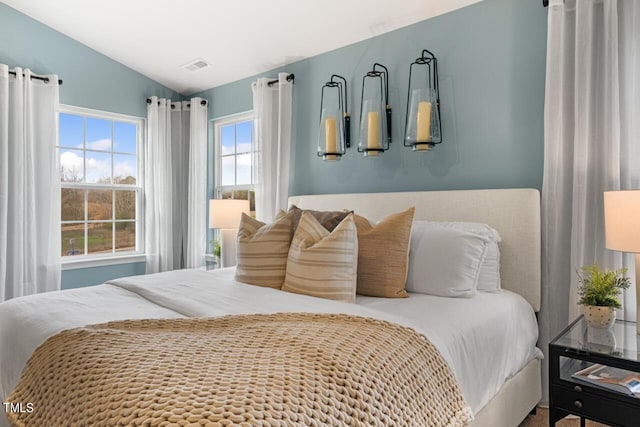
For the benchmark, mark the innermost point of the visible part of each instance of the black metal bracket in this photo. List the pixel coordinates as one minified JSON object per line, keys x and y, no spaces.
{"x":385,"y":78}
{"x":34,"y":77}
{"x":290,"y":78}
{"x":383,"y":75}
{"x":342,"y":104}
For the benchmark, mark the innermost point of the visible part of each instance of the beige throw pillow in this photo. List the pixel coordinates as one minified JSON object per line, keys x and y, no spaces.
{"x":383,"y":255}
{"x":262,"y":250}
{"x":322,"y":263}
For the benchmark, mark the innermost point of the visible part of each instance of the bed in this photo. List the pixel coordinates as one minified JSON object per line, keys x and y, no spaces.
{"x":453,"y":325}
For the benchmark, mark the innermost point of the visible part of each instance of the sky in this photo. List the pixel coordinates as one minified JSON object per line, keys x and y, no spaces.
{"x":110,"y":147}
{"x":236,"y":167}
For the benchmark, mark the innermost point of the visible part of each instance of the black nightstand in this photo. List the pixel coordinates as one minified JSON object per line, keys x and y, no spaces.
{"x":580,"y":346}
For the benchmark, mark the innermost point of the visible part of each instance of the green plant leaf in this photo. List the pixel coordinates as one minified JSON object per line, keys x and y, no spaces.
{"x":601,"y":287}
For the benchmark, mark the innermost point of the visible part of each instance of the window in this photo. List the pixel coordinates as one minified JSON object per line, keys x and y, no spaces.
{"x":234,"y":158}
{"x":100,"y":158}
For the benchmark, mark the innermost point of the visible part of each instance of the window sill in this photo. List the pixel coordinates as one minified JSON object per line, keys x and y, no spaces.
{"x":72,"y":264}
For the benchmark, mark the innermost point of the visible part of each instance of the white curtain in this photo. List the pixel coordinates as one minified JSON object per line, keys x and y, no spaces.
{"x":176,"y":198}
{"x":29,"y":184}
{"x":272,"y":109}
{"x":591,"y":134}
{"x":197,"y":185}
{"x":158,"y":187}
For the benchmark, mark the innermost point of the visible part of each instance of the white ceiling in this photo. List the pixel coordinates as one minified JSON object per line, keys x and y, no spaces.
{"x":239,"y":38}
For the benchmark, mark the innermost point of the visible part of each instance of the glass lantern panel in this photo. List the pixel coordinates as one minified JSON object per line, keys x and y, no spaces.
{"x":331,"y":134}
{"x":420,"y":126}
{"x":373,"y":128}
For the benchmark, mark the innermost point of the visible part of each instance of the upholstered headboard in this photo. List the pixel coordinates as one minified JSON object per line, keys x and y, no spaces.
{"x":515,"y":213}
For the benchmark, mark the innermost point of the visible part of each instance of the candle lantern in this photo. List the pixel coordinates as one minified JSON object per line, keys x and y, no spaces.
{"x":422,"y":125}
{"x":375,"y":112}
{"x":334,"y":134}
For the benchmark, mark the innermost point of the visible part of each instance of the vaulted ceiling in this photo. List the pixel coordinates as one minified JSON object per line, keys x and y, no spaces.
{"x":236,"y":38}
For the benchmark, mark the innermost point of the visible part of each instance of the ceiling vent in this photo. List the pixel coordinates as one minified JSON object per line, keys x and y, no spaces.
{"x":195,"y":65}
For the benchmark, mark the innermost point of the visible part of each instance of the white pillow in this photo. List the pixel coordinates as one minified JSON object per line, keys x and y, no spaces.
{"x":445,"y":260}
{"x":489,"y":276}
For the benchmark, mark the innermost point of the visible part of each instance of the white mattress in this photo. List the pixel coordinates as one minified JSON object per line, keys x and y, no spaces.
{"x":485,"y":340}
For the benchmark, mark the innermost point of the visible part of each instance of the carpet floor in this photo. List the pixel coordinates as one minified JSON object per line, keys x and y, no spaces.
{"x":541,"y":419}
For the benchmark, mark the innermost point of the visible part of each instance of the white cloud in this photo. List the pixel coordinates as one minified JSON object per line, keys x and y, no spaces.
{"x":101,"y":144}
{"x":71,"y":164}
{"x":244,"y":160}
{"x":98,"y":168}
{"x":244,"y":147}
{"x":243,"y":175}
{"x":124,"y":169}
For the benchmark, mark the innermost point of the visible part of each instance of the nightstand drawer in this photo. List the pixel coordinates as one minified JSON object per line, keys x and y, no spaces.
{"x":596,"y":407}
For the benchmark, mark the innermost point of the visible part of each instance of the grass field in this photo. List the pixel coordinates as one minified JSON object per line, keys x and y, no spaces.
{"x":100,"y":238}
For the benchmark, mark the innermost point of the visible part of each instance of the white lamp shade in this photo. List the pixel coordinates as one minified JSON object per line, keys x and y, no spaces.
{"x":622,"y":220}
{"x":226,"y":213}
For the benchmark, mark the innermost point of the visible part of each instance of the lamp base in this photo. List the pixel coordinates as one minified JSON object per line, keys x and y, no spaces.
{"x":228,"y":249}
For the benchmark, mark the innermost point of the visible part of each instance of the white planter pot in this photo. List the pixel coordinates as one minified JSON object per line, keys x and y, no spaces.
{"x":599,"y":317}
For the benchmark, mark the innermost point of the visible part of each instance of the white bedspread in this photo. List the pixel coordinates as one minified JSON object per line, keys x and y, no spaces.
{"x":486,"y":339}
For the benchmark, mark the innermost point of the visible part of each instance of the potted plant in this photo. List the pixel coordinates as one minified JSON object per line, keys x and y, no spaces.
{"x":598,"y":291}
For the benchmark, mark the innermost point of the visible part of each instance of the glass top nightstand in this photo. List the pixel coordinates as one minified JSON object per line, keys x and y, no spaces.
{"x":620,"y":342}
{"x":580,"y":346}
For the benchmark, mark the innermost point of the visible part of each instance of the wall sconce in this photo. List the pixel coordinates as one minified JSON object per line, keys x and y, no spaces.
{"x":334,"y":135}
{"x":422,"y":125}
{"x":375,"y":113}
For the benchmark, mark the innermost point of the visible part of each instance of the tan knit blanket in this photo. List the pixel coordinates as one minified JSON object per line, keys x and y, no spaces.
{"x":253,"y":370}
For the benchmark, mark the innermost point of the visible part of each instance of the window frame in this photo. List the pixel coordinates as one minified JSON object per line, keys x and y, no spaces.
{"x":99,"y":259}
{"x":218,"y":124}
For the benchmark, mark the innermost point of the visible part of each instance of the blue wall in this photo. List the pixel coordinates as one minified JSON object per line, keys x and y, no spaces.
{"x":491,"y":64}
{"x":90,"y":80}
{"x":80,"y":277}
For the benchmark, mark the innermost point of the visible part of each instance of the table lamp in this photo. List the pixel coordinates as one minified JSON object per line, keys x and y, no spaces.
{"x":622,"y":229}
{"x":225,"y":214}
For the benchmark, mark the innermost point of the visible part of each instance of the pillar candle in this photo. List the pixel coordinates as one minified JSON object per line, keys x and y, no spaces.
{"x":424,"y":122}
{"x":373,"y":132}
{"x":330,"y":138}
{"x":330,"y":134}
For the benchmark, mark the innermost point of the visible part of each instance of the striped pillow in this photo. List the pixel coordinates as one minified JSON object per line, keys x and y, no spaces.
{"x":321,"y":263}
{"x":262,"y":250}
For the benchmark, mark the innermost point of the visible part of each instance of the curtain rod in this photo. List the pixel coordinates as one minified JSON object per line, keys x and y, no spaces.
{"x":290,"y":78}
{"x":33,"y":76}
{"x":203,"y":102}
{"x":545,"y":3}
